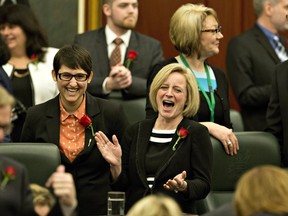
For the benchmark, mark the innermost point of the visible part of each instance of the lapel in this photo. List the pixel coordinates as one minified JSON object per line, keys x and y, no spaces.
{"x":100,"y":53}
{"x":263,"y":40}
{"x":52,"y":123}
{"x":133,"y":45}
{"x":92,"y":110}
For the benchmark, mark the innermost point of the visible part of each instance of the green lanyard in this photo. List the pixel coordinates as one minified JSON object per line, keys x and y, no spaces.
{"x":210,"y":102}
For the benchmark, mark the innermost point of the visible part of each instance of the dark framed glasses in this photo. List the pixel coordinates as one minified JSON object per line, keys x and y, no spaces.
{"x":67,"y":77}
{"x":216,"y":31}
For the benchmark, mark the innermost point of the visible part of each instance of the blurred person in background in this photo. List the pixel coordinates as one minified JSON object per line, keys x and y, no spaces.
{"x":31,"y":62}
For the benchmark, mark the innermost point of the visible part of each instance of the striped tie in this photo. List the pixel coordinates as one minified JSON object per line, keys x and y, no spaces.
{"x":280,"y":49}
{"x":115,"y":57}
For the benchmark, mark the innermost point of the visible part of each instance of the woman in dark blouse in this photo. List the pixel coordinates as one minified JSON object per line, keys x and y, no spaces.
{"x":170,"y":154}
{"x":196,"y":34}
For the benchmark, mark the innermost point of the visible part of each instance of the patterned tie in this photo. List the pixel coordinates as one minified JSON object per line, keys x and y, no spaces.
{"x":115,"y":57}
{"x":280,"y":49}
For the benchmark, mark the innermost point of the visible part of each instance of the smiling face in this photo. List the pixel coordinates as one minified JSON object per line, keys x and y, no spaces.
{"x":172,"y":96}
{"x":71,"y":92}
{"x":14,"y":36}
{"x":210,"y":40}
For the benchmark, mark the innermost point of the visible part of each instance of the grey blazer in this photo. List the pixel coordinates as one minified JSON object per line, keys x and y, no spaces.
{"x":149,"y":53}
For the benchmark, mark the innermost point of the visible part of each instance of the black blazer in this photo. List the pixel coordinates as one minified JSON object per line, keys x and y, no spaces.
{"x":222,"y":106}
{"x":277,"y":112}
{"x":251,"y":61}
{"x":193,"y":154}
{"x":90,"y":170}
{"x":149,"y":53}
{"x":16,"y":199}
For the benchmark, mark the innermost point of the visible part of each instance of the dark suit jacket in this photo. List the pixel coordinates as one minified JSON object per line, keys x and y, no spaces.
{"x":193,"y":154}
{"x":90,"y":170}
{"x":251,"y":61}
{"x":16,"y":199}
{"x":149,"y":53}
{"x":277,"y":112}
{"x":222,"y":106}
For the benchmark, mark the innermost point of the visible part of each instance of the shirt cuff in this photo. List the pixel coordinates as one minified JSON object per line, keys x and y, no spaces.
{"x":105,"y":91}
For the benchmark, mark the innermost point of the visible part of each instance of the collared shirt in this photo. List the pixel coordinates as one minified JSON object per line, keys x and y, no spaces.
{"x":111,"y":36}
{"x":72,"y":133}
{"x":270,"y":35}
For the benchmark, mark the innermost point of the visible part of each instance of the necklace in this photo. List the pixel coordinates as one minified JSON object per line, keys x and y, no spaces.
{"x":210,"y":101}
{"x":21,"y":75}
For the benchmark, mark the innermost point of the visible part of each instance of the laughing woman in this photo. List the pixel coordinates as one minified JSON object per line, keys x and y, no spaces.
{"x":170,"y":154}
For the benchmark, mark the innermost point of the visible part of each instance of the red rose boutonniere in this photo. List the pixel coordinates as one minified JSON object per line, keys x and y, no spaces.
{"x":34,"y":60}
{"x":182,"y":133}
{"x":87,"y":123}
{"x":8,"y":174}
{"x":131,"y":56}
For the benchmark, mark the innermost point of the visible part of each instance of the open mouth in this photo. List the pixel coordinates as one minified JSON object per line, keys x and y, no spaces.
{"x":167,"y":103}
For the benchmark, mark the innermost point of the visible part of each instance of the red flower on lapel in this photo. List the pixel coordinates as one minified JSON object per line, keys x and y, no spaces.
{"x":182,"y":134}
{"x":8,"y":174}
{"x":87,"y":123}
{"x":34,"y":59}
{"x":131,"y":56}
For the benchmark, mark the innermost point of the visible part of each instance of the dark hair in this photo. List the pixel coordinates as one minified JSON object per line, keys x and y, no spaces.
{"x":74,"y":57}
{"x":24,"y":17}
{"x":4,"y":52}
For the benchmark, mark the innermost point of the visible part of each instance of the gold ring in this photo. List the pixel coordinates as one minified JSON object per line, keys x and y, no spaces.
{"x":229,"y":143}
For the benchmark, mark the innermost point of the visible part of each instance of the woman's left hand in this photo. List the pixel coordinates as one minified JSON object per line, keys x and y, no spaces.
{"x":225,"y":135}
{"x":178,"y":183}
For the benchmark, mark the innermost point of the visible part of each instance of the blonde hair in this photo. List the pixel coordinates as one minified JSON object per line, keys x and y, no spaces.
{"x":262,"y":189}
{"x":155,"y":205}
{"x":186,"y":25}
{"x":42,"y":196}
{"x":5,"y":98}
{"x":193,"y":99}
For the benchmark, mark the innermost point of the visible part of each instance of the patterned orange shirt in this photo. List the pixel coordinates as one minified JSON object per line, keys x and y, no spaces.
{"x":72,"y":133}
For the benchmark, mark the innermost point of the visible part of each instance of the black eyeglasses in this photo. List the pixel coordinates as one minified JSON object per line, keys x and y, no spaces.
{"x":79,"y":77}
{"x":217,"y":30}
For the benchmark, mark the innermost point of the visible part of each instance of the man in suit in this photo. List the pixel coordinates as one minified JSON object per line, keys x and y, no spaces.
{"x":277,"y":116}
{"x":61,"y":121}
{"x":121,"y":16}
{"x":251,"y":58}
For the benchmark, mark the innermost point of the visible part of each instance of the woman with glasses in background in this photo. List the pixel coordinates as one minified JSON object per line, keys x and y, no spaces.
{"x":196,"y":34}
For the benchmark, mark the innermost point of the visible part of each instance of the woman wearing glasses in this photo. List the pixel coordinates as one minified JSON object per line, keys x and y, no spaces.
{"x":30,"y":65}
{"x":196,"y":34}
{"x":61,"y":121}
